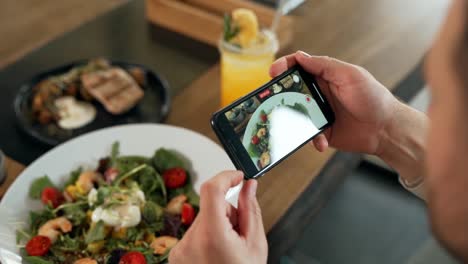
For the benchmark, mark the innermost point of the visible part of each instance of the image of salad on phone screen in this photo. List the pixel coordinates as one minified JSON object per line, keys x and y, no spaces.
{"x":277,"y":120}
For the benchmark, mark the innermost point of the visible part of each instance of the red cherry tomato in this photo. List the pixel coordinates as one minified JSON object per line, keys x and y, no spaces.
{"x":133,"y":257}
{"x":255,"y":140}
{"x":111,"y":174}
{"x":264,"y":118}
{"x":52,"y":196}
{"x":175,"y":178}
{"x":38,"y":246}
{"x":188,"y":214}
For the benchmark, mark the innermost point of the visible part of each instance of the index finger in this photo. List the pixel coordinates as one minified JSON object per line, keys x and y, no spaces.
{"x":282,"y":64}
{"x":213,"y":191}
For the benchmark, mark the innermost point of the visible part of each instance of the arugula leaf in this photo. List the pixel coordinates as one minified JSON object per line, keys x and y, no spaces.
{"x":156,"y":197}
{"x":114,"y":153}
{"x":96,"y":233}
{"x":127,"y":163}
{"x":165,"y":159}
{"x":76,"y":213}
{"x":67,"y":244}
{"x":253,"y":151}
{"x":115,"y":244}
{"x":152,"y":184}
{"x":38,"y":185}
{"x":129,"y":174}
{"x":36,"y":260}
{"x":299,"y":108}
{"x":134,"y":234}
{"x":73,"y":177}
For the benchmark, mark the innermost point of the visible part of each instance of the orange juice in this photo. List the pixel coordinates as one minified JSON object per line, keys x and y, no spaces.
{"x":245,"y":69}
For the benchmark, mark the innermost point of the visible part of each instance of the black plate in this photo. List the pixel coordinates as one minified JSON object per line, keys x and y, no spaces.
{"x":153,"y":108}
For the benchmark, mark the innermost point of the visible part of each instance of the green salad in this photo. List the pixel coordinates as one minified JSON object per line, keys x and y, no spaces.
{"x":259,"y":146}
{"x":129,"y":209}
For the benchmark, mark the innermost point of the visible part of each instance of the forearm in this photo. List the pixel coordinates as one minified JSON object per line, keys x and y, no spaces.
{"x":402,"y":142}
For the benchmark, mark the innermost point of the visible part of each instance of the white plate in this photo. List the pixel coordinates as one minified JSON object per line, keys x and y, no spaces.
{"x":287,"y":98}
{"x":207,"y":160}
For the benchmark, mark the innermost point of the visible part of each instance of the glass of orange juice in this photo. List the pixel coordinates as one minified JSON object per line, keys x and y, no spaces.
{"x":245,"y":67}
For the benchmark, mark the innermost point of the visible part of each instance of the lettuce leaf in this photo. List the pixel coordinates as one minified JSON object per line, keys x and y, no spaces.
{"x":38,"y":185}
{"x":165,"y":159}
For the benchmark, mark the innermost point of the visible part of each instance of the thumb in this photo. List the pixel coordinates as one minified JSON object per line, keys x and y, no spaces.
{"x":250,"y":216}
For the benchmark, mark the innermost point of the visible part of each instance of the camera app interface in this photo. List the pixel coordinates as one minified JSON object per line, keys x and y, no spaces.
{"x":277,"y":120}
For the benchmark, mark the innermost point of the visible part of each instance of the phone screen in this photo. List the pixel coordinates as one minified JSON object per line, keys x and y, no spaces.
{"x":278,"y":119}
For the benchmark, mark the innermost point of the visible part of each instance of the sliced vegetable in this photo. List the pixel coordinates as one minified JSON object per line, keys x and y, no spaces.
{"x":133,"y":257}
{"x":38,"y":246}
{"x":175,"y":178}
{"x":255,"y":140}
{"x":52,"y":196}
{"x":188,"y":214}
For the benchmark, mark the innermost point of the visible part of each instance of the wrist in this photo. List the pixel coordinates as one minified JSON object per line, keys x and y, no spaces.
{"x":391,"y":125}
{"x":401,"y":142}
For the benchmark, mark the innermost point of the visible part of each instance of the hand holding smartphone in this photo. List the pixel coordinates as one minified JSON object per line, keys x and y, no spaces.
{"x":266,"y":126}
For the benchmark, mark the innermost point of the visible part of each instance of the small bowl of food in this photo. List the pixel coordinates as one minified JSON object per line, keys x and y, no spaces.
{"x":249,"y":106}
{"x":276,"y":88}
{"x":296,"y":82}
{"x":84,"y":96}
{"x":235,"y":116}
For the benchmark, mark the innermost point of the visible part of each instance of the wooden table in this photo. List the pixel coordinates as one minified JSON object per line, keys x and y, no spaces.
{"x":389,"y":38}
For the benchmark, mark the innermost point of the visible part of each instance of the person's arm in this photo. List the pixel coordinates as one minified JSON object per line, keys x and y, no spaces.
{"x":369,"y":119}
{"x":402,"y":146}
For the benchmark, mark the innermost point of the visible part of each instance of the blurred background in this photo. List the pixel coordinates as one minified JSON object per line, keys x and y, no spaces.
{"x":353,"y":210}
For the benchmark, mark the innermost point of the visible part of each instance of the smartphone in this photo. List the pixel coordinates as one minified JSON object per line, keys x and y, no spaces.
{"x":266,"y":126}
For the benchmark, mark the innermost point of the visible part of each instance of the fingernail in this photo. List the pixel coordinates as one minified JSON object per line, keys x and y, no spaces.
{"x":253,"y":188}
{"x":303,"y":54}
